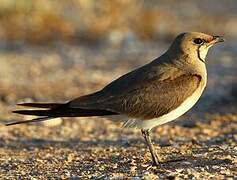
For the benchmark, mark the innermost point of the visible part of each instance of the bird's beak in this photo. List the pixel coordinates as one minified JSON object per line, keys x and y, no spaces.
{"x":217,"y":39}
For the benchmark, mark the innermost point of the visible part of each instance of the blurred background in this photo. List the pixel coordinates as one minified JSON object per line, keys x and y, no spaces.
{"x":56,"y":50}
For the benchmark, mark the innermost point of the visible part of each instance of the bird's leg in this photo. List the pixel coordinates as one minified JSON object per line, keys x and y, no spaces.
{"x":155,"y":157}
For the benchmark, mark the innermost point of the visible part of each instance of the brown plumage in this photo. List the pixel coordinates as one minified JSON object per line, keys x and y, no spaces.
{"x":145,"y":93}
{"x":149,"y":96}
{"x":151,"y":99}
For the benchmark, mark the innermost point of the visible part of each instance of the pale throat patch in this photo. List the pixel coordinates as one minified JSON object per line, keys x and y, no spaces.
{"x":203,"y":52}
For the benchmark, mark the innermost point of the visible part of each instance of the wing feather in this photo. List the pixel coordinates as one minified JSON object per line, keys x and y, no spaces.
{"x":143,"y":93}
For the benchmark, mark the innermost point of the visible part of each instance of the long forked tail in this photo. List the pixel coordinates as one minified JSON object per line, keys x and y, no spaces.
{"x":55,"y":110}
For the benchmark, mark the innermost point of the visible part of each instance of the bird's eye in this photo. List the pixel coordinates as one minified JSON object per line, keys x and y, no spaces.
{"x":198,"y":41}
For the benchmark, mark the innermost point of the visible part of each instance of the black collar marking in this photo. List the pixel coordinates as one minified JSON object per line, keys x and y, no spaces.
{"x":199,"y":57}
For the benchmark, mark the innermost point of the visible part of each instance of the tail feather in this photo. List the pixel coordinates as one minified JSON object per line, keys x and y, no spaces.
{"x":41,"y":105}
{"x":30,"y":121}
{"x":67,"y":112}
{"x":57,"y":110}
{"x":34,"y":112}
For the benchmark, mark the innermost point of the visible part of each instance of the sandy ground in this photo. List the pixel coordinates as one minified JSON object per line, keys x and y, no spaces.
{"x":204,"y":140}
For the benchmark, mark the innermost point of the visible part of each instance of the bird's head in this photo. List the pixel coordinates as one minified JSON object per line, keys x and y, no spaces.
{"x":194,"y":44}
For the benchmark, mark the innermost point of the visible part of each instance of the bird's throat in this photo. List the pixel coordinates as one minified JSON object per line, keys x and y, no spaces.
{"x":201,"y":56}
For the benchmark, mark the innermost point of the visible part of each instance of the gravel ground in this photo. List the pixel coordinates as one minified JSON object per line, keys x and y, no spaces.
{"x":201,"y":145}
{"x":87,"y":149}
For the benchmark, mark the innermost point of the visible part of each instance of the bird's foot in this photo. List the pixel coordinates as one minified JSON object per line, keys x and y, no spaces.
{"x":158,"y":162}
{"x":177,"y":159}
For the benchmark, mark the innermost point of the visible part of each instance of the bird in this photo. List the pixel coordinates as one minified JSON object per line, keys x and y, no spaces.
{"x":149,"y":96}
